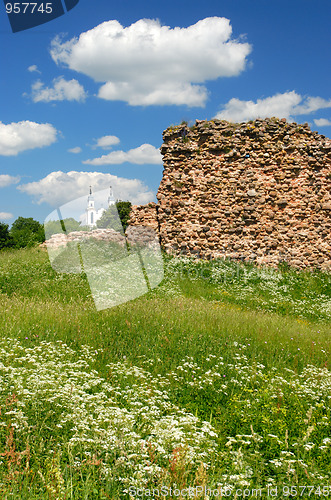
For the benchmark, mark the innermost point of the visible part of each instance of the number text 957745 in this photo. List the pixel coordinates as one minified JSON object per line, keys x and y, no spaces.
{"x":29,"y":8}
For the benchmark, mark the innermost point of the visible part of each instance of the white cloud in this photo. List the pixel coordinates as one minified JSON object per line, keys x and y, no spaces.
{"x":20,"y":136}
{"x":106,"y":142}
{"x":34,"y":69}
{"x":59,"y":187}
{"x":165,"y":93}
{"x":311,"y":104}
{"x":144,"y":154}
{"x":6,"y":216}
{"x":147,"y":63}
{"x":7,"y":180}
{"x":62,"y":90}
{"x":280,"y":105}
{"x":75,"y":150}
{"x":322,"y":122}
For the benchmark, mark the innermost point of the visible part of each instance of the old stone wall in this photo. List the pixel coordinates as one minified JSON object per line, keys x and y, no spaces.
{"x":256,"y":191}
{"x":144,"y":215}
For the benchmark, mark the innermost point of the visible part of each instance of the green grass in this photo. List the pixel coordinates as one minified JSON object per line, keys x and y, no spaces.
{"x":304,"y":294}
{"x":245,"y":350}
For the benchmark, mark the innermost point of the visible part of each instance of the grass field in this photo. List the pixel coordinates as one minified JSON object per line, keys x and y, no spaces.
{"x":219,"y":378}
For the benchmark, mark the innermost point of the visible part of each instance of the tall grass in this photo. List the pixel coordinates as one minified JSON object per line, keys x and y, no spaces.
{"x":220,"y":377}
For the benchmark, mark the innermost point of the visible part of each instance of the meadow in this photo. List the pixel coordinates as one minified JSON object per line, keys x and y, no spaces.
{"x":217,"y":379}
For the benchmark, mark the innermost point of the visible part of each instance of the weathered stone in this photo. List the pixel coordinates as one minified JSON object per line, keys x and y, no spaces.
{"x":248,"y":188}
{"x":282,"y":201}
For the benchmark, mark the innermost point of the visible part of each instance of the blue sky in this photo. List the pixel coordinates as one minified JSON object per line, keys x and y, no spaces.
{"x":84,"y":98}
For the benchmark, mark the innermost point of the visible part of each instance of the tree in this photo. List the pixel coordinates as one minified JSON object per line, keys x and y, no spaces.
{"x":116,"y":216}
{"x":69,"y":224}
{"x":27,"y":232}
{"x":6,"y":241}
{"x":124,"y":209}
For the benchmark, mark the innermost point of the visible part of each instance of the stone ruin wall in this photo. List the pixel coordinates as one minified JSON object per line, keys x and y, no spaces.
{"x":144,"y":215}
{"x":257,"y":191}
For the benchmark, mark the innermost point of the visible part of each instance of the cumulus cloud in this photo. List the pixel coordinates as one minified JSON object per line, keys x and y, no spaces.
{"x":75,"y":150}
{"x":166,"y":93}
{"x":280,"y":105}
{"x":146,"y":153}
{"x":322,"y":122}
{"x":62,"y":90}
{"x":6,"y":215}
{"x":311,"y":104}
{"x":106,"y":142}
{"x":7,"y":180}
{"x":20,"y":136}
{"x":60,"y":187}
{"x":146,"y":63}
{"x":34,"y":69}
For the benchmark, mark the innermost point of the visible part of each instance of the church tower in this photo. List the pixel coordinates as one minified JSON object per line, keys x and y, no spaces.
{"x":111,"y":199}
{"x":92,"y":214}
{"x":90,"y":211}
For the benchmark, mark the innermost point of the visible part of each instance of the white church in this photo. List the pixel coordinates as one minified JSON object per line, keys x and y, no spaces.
{"x":92,"y":215}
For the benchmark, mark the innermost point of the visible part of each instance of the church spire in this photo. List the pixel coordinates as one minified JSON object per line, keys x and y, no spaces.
{"x":90,"y":198}
{"x":111,"y":200}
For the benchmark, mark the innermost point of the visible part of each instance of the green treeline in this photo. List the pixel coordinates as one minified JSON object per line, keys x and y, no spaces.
{"x":25,"y":232}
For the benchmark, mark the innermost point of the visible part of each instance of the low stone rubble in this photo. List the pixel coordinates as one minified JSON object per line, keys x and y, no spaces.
{"x":137,"y":236}
{"x":62,"y":239}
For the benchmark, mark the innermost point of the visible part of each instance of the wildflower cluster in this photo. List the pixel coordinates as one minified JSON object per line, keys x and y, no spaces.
{"x":271,"y":424}
{"x":127,"y":423}
{"x":228,"y":418}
